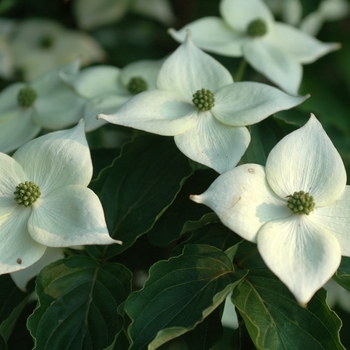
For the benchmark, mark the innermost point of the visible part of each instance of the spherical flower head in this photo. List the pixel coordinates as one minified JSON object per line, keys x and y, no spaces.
{"x":137,"y":85}
{"x":27,"y":193}
{"x":296,"y":208}
{"x":301,"y":203}
{"x":45,"y":201}
{"x":46,"y":42}
{"x":257,"y":28}
{"x":26,"y":97}
{"x":204,"y":100}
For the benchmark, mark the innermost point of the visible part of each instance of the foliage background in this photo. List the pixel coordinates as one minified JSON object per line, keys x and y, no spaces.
{"x":134,"y":38}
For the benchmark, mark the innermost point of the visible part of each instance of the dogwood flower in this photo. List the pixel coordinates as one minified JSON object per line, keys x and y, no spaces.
{"x":48,"y":102}
{"x":197,"y":102}
{"x":45,"y":201}
{"x":40,"y":45}
{"x":248,"y":29}
{"x":296,"y":208}
{"x":107,"y":88}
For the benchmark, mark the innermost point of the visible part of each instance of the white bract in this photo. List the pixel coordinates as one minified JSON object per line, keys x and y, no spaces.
{"x":91,"y":14}
{"x":197,"y":102}
{"x":45,"y":201}
{"x":48,"y":102}
{"x":107,"y":88}
{"x":39,"y":45}
{"x":301,"y":240}
{"x":247,"y":28}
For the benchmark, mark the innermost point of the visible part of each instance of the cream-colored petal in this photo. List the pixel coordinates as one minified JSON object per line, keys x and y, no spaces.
{"x":276,"y":64}
{"x":212,"y":34}
{"x":163,"y":113}
{"x":243,"y":200}
{"x":17,"y":250}
{"x":214,"y":144}
{"x":238,"y":14}
{"x":336,"y":218}
{"x":306,"y":160}
{"x":57,"y":159}
{"x":189,"y":69}
{"x":247,"y":103}
{"x":11,"y":174}
{"x":302,"y":254}
{"x":305,"y":48}
{"x":69,"y":216}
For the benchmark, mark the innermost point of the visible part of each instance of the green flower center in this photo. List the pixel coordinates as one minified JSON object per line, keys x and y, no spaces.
{"x":46,"y":42}
{"x":137,"y":85}
{"x":26,"y":97}
{"x":257,"y":28}
{"x":204,"y":100}
{"x":301,"y":203}
{"x":27,"y":193}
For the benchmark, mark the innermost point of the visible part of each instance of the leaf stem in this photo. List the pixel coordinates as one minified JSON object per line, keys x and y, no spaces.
{"x":240,"y":70}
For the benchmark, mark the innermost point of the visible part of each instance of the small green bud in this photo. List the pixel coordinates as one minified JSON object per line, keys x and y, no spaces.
{"x":137,"y":85}
{"x":27,"y":193}
{"x":204,"y":100}
{"x":46,"y":42}
{"x":301,"y":203}
{"x":257,"y":28}
{"x":26,"y":97}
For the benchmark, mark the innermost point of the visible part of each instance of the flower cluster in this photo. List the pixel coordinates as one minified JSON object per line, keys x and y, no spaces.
{"x":110,"y":226}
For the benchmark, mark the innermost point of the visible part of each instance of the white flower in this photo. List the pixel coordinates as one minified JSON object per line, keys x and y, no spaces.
{"x":59,"y":211}
{"x":248,"y":29}
{"x":48,"y":102}
{"x":91,"y":14}
{"x":107,"y":88}
{"x":40,"y":45}
{"x":212,"y":133}
{"x":304,"y":248}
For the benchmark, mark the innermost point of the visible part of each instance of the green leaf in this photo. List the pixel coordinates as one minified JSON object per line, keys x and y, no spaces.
{"x":207,"y":333}
{"x":3,"y":345}
{"x":214,"y":234}
{"x":342,"y":276}
{"x":179,"y":294}
{"x":274,"y":319}
{"x":13,"y":301}
{"x":78,"y":300}
{"x":141,"y":184}
{"x":264,"y":137}
{"x":170,"y":225}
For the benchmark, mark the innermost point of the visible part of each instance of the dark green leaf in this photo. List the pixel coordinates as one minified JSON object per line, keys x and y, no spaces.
{"x":275,"y":320}
{"x":179,"y":293}
{"x":342,"y":276}
{"x":139,"y":187}
{"x":169,"y":227}
{"x":214,"y":234}
{"x":78,"y":300}
{"x":13,"y":301}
